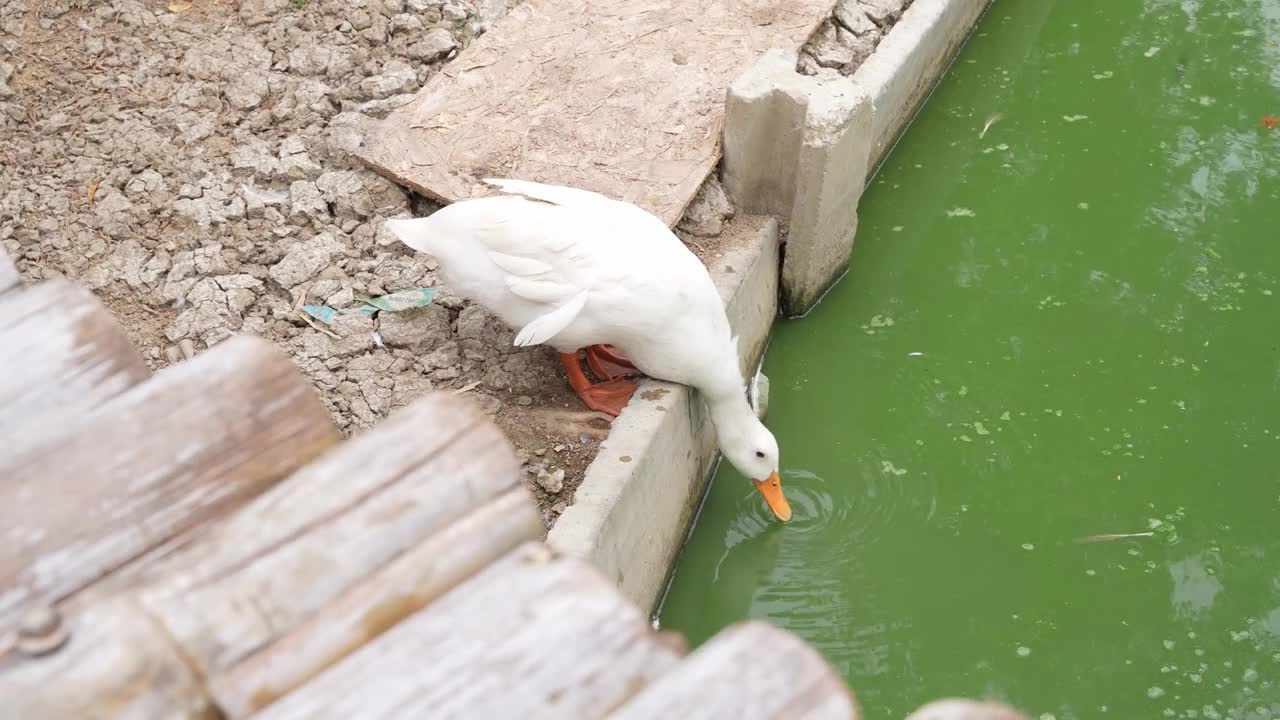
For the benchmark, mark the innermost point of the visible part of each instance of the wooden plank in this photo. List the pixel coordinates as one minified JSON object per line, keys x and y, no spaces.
{"x":344,"y":548}
{"x":624,"y":97}
{"x":9,"y":278}
{"x":402,"y":588}
{"x":132,"y":673}
{"x":750,"y":671}
{"x":62,"y":352}
{"x":82,"y":498}
{"x":530,"y":637}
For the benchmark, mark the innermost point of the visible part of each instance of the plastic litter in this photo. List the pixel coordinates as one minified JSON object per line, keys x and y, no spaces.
{"x":392,"y":302}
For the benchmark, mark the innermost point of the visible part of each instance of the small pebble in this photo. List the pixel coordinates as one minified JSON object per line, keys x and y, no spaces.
{"x":552,"y":482}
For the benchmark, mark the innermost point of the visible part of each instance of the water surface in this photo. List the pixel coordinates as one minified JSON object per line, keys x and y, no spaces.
{"x":1063,"y":328}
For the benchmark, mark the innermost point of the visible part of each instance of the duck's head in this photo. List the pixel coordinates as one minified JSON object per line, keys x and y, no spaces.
{"x":749,"y":446}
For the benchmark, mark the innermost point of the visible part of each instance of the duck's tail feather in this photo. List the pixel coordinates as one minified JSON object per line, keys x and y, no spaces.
{"x":547,"y":326}
{"x":412,"y":232}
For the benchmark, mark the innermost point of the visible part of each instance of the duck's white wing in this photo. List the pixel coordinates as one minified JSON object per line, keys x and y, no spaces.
{"x":548,"y":252}
{"x":585,"y":201}
{"x":540,"y":250}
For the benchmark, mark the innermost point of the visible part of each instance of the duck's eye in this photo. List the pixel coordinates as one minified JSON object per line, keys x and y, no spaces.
{"x":760,"y":453}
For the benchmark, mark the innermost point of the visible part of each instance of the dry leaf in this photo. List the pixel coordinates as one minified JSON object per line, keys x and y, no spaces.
{"x":179,"y":7}
{"x":93,"y":190}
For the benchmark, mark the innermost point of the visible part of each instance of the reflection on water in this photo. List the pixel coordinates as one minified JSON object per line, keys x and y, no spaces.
{"x":1064,"y":326}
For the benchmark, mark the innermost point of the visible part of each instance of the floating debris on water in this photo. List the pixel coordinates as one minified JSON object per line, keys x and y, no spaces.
{"x":1155,"y":692}
{"x":1104,"y":75}
{"x":990,"y":121}
{"x":1111,"y":537}
{"x":1028,"y":546}
{"x":981,"y":429}
{"x":1075,"y":118}
{"x":1151,"y":51}
{"x":1023,"y":651}
{"x":961,"y":212}
{"x":888,"y":467}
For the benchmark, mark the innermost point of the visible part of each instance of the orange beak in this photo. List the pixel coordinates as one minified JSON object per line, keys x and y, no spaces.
{"x":771,"y":489}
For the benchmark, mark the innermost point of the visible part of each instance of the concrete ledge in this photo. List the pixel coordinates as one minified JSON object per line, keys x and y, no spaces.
{"x":908,"y":63}
{"x":802,"y":148}
{"x":633,"y":510}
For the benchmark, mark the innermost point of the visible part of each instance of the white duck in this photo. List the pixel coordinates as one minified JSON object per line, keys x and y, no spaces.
{"x":573,"y":269}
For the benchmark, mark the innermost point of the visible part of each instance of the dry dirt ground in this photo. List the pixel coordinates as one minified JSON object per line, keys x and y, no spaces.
{"x":190,"y":162}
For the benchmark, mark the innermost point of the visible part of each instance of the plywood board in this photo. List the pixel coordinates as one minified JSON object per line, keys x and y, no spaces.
{"x":623,"y":97}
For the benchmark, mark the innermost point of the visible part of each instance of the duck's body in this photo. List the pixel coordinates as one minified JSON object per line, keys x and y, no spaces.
{"x":573,"y":269}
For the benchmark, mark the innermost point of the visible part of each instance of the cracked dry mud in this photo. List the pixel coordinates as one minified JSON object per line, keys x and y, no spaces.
{"x":191,"y":164}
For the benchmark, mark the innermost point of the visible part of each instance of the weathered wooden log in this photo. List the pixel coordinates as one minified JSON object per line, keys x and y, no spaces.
{"x":532,"y":636}
{"x":62,"y":352}
{"x":262,"y":600}
{"x":343,"y":549}
{"x":135,"y":673}
{"x":749,"y":670}
{"x":9,"y":277}
{"x":83,"y":498}
{"x":409,"y":583}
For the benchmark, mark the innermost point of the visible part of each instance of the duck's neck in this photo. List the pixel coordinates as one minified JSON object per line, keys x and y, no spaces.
{"x":731,"y":414}
{"x":726,"y":398}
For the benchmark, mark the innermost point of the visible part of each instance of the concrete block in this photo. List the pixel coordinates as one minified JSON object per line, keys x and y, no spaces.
{"x":829,"y":185}
{"x":633,"y":510}
{"x":796,"y":146}
{"x":763,"y":131}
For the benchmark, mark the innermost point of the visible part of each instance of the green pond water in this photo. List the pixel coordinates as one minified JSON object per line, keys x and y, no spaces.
{"x":1064,"y":328}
